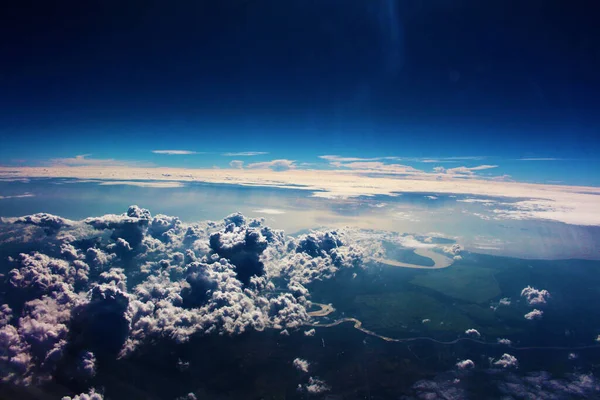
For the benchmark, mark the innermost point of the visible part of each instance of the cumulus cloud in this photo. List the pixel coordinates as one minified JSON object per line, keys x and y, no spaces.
{"x":454,"y":249}
{"x":465,"y":364}
{"x":110,"y":284}
{"x":301,"y":365}
{"x":505,"y":301}
{"x":534,"y":314}
{"x":473,"y":333}
{"x":507,"y":342}
{"x":51,"y":223}
{"x":314,"y":386}
{"x":534,"y":296}
{"x":237,"y":164}
{"x":274,"y":165}
{"x":507,"y":361}
{"x":310,"y":332}
{"x":90,"y":395}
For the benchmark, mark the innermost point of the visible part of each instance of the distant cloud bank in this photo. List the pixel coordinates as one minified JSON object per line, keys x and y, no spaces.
{"x":175,"y":152}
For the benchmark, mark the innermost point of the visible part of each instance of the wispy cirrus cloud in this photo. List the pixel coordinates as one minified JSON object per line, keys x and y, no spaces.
{"x":463,"y":170}
{"x":176,"y":152}
{"x":17,"y":196}
{"x":540,"y":159}
{"x":441,"y":160}
{"x":245,"y":153}
{"x":335,"y":158}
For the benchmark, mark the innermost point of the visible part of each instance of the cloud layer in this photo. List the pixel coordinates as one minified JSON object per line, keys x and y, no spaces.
{"x":104,"y":286}
{"x":567,"y":204}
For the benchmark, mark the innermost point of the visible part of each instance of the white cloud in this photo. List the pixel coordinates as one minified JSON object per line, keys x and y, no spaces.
{"x":333,"y":158}
{"x":151,"y":184}
{"x":314,"y":386}
{"x":245,"y":153}
{"x":568,"y":204}
{"x":225,"y":277}
{"x":17,"y":196}
{"x":377,"y":167}
{"x":534,"y":296}
{"x":467,"y":170}
{"x":534,"y":314}
{"x":473,"y":333}
{"x":310,"y":332}
{"x":465,"y":364}
{"x":507,"y":361}
{"x":505,"y":301}
{"x":270,"y":211}
{"x":507,"y":342}
{"x":301,"y":365}
{"x":83,"y":161}
{"x":89,"y":395}
{"x":540,"y":159}
{"x":237,"y":164}
{"x":482,"y":201}
{"x":274,"y":165}
{"x":175,"y":152}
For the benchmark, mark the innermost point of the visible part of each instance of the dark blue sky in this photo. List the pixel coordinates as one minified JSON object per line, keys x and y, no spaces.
{"x":295,"y":77}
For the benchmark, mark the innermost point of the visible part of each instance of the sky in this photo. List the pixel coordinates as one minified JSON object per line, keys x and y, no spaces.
{"x":496,"y":81}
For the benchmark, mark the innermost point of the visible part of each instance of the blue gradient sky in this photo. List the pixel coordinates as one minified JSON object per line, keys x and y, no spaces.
{"x":298,"y":79}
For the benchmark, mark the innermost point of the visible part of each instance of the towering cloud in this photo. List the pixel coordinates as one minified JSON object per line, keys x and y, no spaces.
{"x":534,"y":296}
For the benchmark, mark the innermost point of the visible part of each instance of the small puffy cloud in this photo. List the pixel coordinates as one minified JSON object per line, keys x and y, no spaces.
{"x":507,"y":361}
{"x":455,"y":249}
{"x":310,"y":332}
{"x":90,"y":395}
{"x":473,"y":333}
{"x":245,"y":154}
{"x":465,"y":364}
{"x":274,"y":165}
{"x":534,"y":296}
{"x":175,"y":152}
{"x":504,"y":301}
{"x":301,"y":365}
{"x":87,"y":364}
{"x":314,"y":386}
{"x":507,"y":342}
{"x":534,"y":314}
{"x":425,"y":321}
{"x":237,"y":164}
